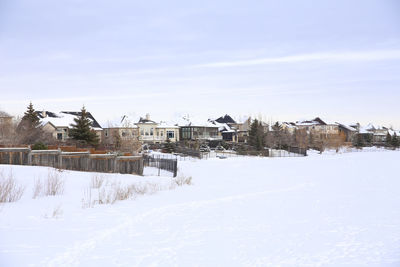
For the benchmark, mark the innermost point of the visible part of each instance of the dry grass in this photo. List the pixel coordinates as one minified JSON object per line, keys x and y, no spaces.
{"x":110,"y":193}
{"x":10,"y":191}
{"x":52,"y":186}
{"x":183,"y":180}
{"x":97,"y":181}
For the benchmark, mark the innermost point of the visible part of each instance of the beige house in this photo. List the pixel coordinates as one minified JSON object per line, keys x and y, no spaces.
{"x":123,"y":131}
{"x":152,"y":132}
{"x":319,"y":128}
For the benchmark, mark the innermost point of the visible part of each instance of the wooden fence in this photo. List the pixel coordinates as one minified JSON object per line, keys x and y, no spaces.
{"x":77,"y":161}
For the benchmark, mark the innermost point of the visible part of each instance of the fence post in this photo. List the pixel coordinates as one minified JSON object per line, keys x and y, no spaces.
{"x":29,"y":158}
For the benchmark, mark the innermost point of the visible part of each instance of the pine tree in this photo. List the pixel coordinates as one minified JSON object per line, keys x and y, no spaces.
{"x":358,"y":141}
{"x":29,"y":130}
{"x":395,"y":142}
{"x":256,"y":135}
{"x":388,"y":139}
{"x":169,"y":147}
{"x":30,"y":117}
{"x":81,"y":130}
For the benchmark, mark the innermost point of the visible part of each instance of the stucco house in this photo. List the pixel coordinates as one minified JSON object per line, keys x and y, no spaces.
{"x":152,"y":132}
{"x":123,"y":129}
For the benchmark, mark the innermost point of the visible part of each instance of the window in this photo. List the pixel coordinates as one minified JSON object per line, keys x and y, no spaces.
{"x":162,"y":133}
{"x":106,"y":133}
{"x":133,"y":133}
{"x":170,"y":134}
{"x":141,"y":132}
{"x":151,"y":131}
{"x":59,"y":136}
{"x":123,"y":134}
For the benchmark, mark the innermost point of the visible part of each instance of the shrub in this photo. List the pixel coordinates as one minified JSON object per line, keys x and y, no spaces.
{"x":97,"y":181}
{"x":10,"y":191}
{"x":39,"y":146}
{"x":52,"y":186}
{"x":182,"y":180}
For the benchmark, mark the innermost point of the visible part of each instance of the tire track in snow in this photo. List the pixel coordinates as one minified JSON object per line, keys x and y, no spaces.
{"x":72,"y":255}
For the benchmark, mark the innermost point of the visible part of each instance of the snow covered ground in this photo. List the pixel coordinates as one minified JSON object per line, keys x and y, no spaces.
{"x":321,"y":210}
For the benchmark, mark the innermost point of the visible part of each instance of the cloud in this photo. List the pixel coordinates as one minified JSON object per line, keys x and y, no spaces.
{"x":331,"y":56}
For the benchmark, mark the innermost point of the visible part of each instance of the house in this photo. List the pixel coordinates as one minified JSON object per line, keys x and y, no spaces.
{"x":373,"y":134}
{"x":167,"y":131}
{"x":289,"y":127}
{"x":5,"y":125}
{"x":58,"y":124}
{"x":122,"y":130}
{"x":319,"y":128}
{"x":243,"y":129}
{"x":152,"y":132}
{"x":347,"y":131}
{"x":203,"y":131}
{"x":227,"y":128}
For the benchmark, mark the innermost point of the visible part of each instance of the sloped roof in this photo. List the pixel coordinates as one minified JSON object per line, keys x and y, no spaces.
{"x":225,"y":119}
{"x":184,"y":121}
{"x":164,"y":124}
{"x":122,"y":122}
{"x":347,"y":127}
{"x":65,"y":119}
{"x":95,"y":124}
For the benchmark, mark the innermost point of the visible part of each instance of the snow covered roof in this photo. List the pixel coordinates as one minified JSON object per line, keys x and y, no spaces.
{"x":222,"y":127}
{"x":123,"y":122}
{"x":347,"y":127}
{"x":225,"y":119}
{"x":64,"y":119}
{"x":288,"y":124}
{"x":164,"y":124}
{"x":393,"y":132}
{"x":316,"y":121}
{"x":185,"y":121}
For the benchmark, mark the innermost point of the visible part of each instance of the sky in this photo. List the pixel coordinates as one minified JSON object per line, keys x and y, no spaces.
{"x":280,"y":60}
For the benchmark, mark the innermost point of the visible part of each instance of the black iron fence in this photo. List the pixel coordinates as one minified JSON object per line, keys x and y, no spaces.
{"x":161,"y":163}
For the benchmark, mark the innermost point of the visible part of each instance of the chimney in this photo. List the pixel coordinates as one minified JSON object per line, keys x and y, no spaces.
{"x":44,"y":114}
{"x":147,"y":116}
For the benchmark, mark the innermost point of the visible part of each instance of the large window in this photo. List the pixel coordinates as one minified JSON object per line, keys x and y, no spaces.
{"x":170,"y":134}
{"x":59,"y":136}
{"x":151,"y":131}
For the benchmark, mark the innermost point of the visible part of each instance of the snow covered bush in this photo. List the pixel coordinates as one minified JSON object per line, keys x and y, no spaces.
{"x":10,"y":191}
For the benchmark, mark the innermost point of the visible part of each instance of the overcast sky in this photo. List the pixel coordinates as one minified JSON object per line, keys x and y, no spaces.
{"x":286,"y":60}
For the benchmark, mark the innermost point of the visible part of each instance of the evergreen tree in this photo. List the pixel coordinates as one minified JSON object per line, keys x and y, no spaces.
{"x":81,"y":131}
{"x":358,"y":141}
{"x":256,"y":135}
{"x":29,"y":130}
{"x":388,"y":140}
{"x":395,"y":140}
{"x":30,"y":117}
{"x":169,"y":147}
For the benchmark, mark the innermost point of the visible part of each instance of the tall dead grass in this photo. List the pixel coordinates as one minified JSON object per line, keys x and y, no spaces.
{"x":10,"y":191}
{"x":53,"y":185}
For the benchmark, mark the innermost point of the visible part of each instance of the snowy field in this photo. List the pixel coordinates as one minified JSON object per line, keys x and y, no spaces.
{"x":321,"y":210}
